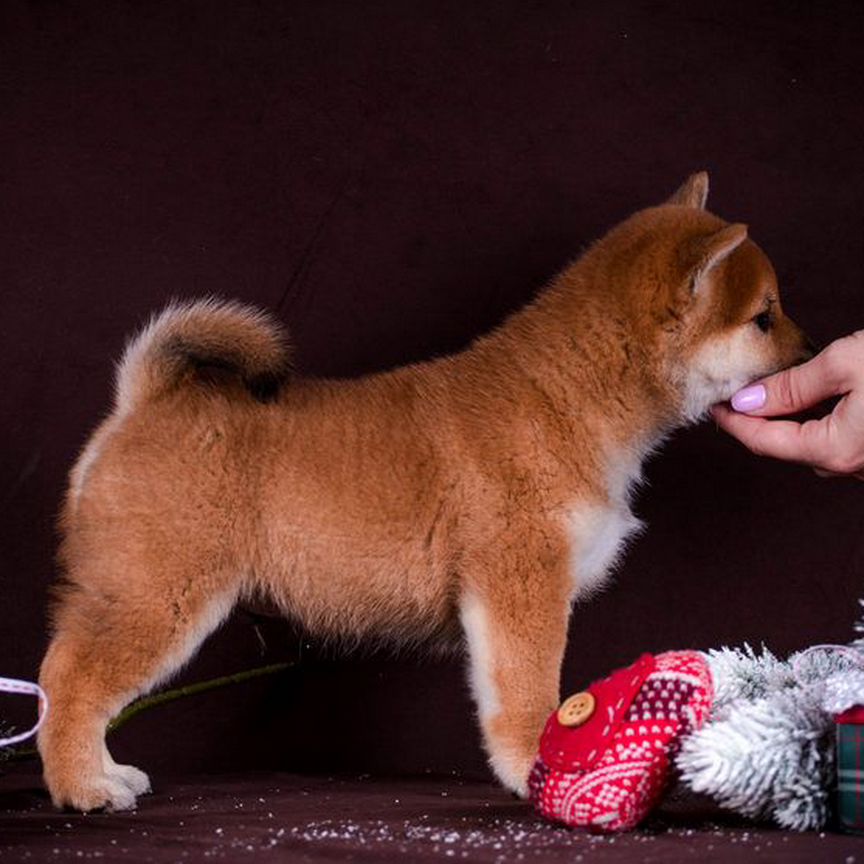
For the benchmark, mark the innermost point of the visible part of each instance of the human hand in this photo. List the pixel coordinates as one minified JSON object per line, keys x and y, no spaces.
{"x":833,"y":445}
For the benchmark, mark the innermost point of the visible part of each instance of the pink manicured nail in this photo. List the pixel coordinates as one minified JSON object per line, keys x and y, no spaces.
{"x":749,"y":399}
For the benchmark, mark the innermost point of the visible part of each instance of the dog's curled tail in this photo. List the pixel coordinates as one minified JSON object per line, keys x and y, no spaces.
{"x":199,"y":338}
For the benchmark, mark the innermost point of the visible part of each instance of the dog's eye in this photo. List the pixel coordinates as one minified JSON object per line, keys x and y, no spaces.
{"x":763,"y":321}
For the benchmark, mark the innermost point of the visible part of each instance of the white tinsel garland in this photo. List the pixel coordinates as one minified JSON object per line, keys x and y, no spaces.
{"x":843,"y":691}
{"x":741,"y":673}
{"x":768,"y":751}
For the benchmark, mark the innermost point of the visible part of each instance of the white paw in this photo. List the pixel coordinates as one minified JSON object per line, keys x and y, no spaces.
{"x":512,"y":770}
{"x":118,"y":796}
{"x":134,"y":779}
{"x":102,"y":792}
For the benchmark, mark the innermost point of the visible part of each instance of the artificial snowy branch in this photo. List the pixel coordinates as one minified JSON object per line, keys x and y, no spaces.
{"x":769,"y":748}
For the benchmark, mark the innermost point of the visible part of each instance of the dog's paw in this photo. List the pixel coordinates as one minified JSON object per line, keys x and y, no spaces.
{"x":512,"y":769}
{"x":104,"y":792}
{"x":131,"y":777}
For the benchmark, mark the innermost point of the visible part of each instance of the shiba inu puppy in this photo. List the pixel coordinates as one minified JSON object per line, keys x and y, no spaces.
{"x":476,"y":494}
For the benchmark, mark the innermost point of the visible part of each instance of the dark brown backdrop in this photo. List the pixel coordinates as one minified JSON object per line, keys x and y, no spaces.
{"x":392,"y":179}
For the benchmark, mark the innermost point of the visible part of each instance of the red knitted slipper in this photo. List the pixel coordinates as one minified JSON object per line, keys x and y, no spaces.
{"x":605,"y":755}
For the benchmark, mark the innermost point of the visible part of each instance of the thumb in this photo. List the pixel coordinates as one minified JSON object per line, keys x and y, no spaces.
{"x":794,"y":389}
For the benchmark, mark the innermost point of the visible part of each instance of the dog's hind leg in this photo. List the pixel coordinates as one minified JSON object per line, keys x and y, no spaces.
{"x":514,"y":612}
{"x":111,"y":646}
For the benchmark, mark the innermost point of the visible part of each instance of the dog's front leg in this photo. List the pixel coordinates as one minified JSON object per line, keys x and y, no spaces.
{"x":515,"y":624}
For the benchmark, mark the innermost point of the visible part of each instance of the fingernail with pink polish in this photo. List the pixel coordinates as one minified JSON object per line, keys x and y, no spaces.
{"x":749,"y":399}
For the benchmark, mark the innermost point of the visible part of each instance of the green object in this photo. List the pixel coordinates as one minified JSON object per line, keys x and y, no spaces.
{"x":850,"y":776}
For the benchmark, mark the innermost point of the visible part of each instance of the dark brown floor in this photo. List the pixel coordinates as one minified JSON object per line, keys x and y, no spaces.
{"x":286,"y":817}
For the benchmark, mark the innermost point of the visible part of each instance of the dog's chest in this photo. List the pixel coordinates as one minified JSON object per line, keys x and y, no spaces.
{"x":598,"y":535}
{"x":598,"y":532}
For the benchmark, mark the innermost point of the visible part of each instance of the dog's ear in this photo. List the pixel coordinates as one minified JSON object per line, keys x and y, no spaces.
{"x":708,"y":252}
{"x":693,"y":193}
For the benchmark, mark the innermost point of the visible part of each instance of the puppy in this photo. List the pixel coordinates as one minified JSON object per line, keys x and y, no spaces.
{"x":478,"y":493}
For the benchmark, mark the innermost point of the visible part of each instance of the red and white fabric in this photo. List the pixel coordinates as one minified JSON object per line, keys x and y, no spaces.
{"x":609,"y":772}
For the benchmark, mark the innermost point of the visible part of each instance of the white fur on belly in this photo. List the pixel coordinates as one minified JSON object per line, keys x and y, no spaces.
{"x":598,"y":535}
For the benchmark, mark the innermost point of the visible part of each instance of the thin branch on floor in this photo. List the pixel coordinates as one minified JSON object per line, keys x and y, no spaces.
{"x":148,"y":702}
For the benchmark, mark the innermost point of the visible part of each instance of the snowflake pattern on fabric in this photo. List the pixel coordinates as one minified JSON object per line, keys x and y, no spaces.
{"x":628,"y":773}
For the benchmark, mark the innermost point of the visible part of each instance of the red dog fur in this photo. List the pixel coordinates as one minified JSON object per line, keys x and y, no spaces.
{"x":486,"y":489}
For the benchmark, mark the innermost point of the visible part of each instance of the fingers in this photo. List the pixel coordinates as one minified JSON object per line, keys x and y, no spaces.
{"x":832,"y":446}
{"x":783,"y":439}
{"x":797,"y":388}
